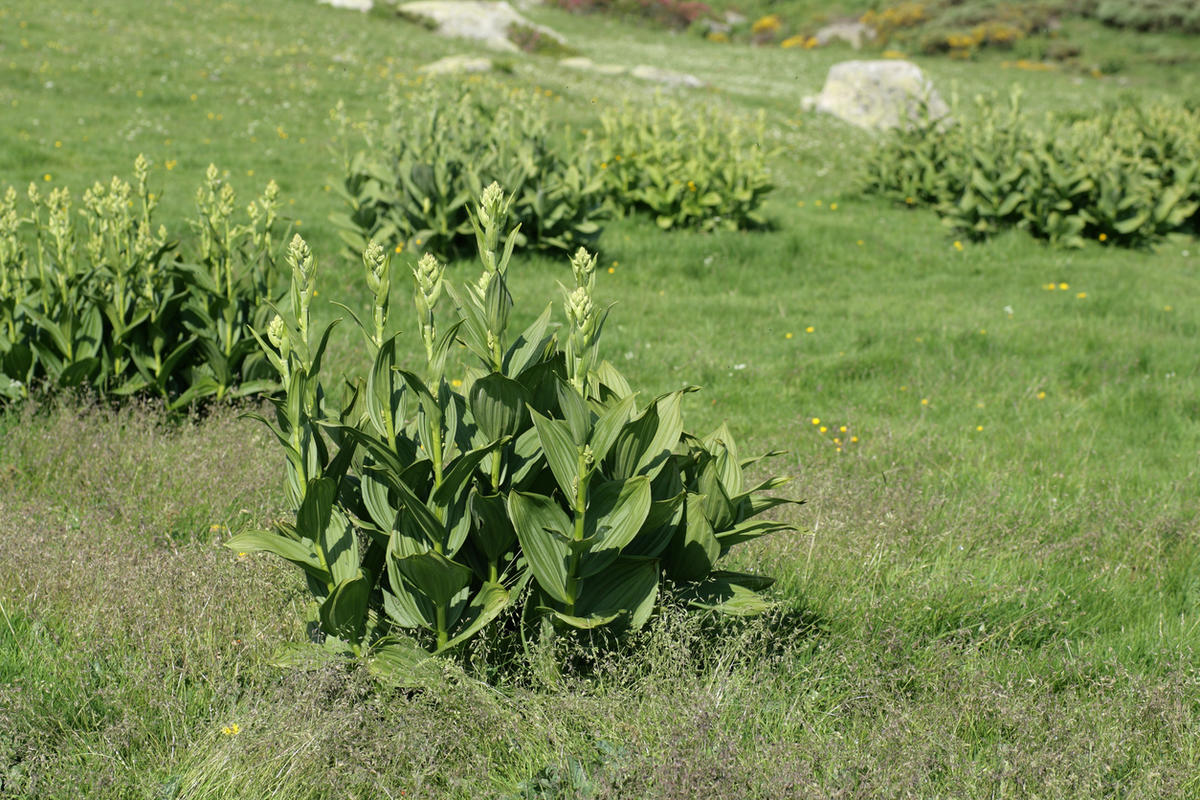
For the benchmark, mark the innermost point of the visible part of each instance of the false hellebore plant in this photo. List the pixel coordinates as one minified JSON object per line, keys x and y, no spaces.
{"x":423,"y":513}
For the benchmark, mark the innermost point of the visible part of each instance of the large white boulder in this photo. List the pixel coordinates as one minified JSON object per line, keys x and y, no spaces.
{"x":488,"y":22}
{"x":877,"y":95}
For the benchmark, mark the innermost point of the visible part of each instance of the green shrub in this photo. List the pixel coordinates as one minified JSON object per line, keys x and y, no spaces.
{"x":1128,"y":176}
{"x":418,"y":175}
{"x":1146,"y":15}
{"x":425,"y":508}
{"x":685,"y":169}
{"x":98,"y":297}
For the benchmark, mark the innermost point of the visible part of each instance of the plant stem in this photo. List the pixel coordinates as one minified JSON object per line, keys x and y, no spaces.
{"x":581,"y":478}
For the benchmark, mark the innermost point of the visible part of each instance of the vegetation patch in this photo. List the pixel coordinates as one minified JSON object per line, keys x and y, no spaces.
{"x":1127,"y":177}
{"x":98,"y":297}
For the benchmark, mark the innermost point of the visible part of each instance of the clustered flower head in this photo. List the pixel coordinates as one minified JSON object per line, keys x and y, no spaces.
{"x":583,"y":266}
{"x":304,"y":284}
{"x":428,"y":274}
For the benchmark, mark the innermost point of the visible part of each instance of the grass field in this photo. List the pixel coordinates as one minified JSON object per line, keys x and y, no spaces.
{"x":999,"y":592}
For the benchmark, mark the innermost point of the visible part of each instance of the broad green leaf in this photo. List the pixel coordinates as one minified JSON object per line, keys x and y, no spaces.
{"x":494,"y":534}
{"x":299,"y":553}
{"x":724,"y":450}
{"x":344,"y":612}
{"x":746,"y":531}
{"x":560,"y":450}
{"x":717,"y":506}
{"x":615,"y":513}
{"x":609,"y":426}
{"x":543,"y":530}
{"x":406,"y":608}
{"x":488,"y":603}
{"x":726,"y":595}
{"x":695,"y":548}
{"x":383,"y":396}
{"x":575,"y":411}
{"x":434,"y":575}
{"x":404,"y":664}
{"x":659,"y":528}
{"x":340,"y":542}
{"x":629,"y":587}
{"x":529,"y":346}
{"x":582,"y":623}
{"x":498,"y":405}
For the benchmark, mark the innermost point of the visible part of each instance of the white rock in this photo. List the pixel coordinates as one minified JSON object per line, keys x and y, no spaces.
{"x":877,"y":94}
{"x":457,"y":64}
{"x":488,"y":22}
{"x":354,"y":5}
{"x":666,"y":76}
{"x":587,"y":65}
{"x":853,"y":33}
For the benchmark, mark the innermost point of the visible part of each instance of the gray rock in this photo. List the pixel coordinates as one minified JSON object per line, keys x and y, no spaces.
{"x":877,"y":95}
{"x":354,"y":5}
{"x":587,"y":65}
{"x":488,"y":22}
{"x":852,"y":33}
{"x":456,"y":64}
{"x":668,"y":77}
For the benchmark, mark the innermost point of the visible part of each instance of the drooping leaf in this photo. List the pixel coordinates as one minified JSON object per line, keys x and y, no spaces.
{"x":560,"y":451}
{"x":344,"y":612}
{"x":543,"y":530}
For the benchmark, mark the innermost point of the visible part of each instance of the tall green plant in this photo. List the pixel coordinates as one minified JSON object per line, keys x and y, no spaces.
{"x":418,"y":176}
{"x":1130,"y":176}
{"x":424,"y":513}
{"x":99,"y":296}
{"x":685,"y":169}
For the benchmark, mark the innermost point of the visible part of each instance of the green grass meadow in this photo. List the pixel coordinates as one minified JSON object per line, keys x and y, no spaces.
{"x":997,"y":590}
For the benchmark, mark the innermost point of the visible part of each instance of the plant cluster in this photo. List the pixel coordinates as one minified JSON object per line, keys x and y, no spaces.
{"x":959,"y":29}
{"x":413,"y":184}
{"x":416,"y":179}
{"x":424,"y":511}
{"x":1129,"y":176}
{"x":1144,"y":15}
{"x":685,"y":169}
{"x":97,"y":296}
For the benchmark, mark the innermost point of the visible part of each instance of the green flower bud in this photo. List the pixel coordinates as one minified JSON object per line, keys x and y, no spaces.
{"x":375,"y":260}
{"x":429,"y":278}
{"x":276,"y":332}
{"x":584,"y":267}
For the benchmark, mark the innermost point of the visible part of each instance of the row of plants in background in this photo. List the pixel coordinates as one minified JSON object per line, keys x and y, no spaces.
{"x":1129,"y":176}
{"x":538,"y":489}
{"x":97,"y":296}
{"x":416,"y":177}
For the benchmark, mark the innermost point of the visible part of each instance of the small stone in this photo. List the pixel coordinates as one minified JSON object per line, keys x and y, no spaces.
{"x":667,"y":77}
{"x":457,"y":65}
{"x":587,"y":65}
